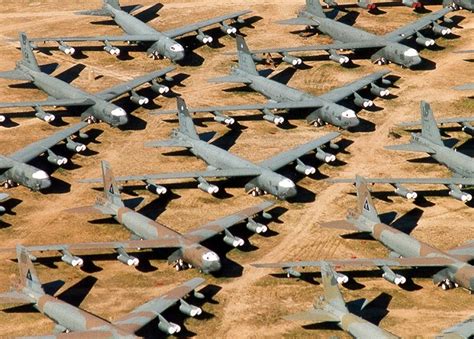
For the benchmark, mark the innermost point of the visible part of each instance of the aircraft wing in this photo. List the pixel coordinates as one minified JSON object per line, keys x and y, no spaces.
{"x":285,"y":158}
{"x":14,"y":297}
{"x":312,"y":315}
{"x":125,"y":37}
{"x":217,"y":226}
{"x":462,"y":330}
{"x":219,"y":173}
{"x":458,"y":120}
{"x":198,"y":25}
{"x":145,"y":313}
{"x":39,"y":147}
{"x":300,"y":21}
{"x":410,"y":29}
{"x":116,"y":91}
{"x":418,"y":181}
{"x":464,"y":252}
{"x":49,"y":102}
{"x":343,"y":92}
{"x":465,"y":87}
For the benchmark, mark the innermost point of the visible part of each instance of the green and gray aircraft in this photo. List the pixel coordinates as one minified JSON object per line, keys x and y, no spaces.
{"x":463,"y":122}
{"x":283,"y":97}
{"x":30,"y":291}
{"x":15,"y":167}
{"x":149,"y":234}
{"x":463,"y":330}
{"x":157,"y":44}
{"x":389,"y":47}
{"x":331,"y":308}
{"x":460,"y":4}
{"x":371,"y":6}
{"x":429,"y":141}
{"x":223,"y":164}
{"x":96,"y":107}
{"x":406,"y":251}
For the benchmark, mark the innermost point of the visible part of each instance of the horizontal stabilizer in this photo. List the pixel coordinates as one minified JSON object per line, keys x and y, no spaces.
{"x":464,"y":252}
{"x":94,"y":12}
{"x":230,"y":78}
{"x":315,"y":316}
{"x":15,"y":297}
{"x":15,"y":75}
{"x":91,"y":210}
{"x":168,"y":143}
{"x":299,"y":21}
{"x":340,"y":224}
{"x":410,"y":148}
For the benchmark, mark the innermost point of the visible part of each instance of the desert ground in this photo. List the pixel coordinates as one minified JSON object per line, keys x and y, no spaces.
{"x":245,"y":302}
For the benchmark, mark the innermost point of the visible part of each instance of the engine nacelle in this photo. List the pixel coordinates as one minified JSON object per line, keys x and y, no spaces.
{"x":366,"y":5}
{"x":75,"y":146}
{"x":362,"y":102}
{"x":256,"y":227}
{"x":111,"y":49}
{"x":424,"y":41}
{"x":42,"y":115}
{"x":207,"y":187}
{"x":341,"y":278}
{"x":56,"y":159}
{"x":294,"y":61}
{"x":223,"y":119}
{"x":189,"y":310}
{"x":292,"y":273}
{"x":2,"y":209}
{"x":340,"y":59}
{"x":66,"y":49}
{"x":303,"y":168}
{"x":128,"y":259}
{"x":466,"y":128}
{"x":269,"y":116}
{"x":440,"y":30}
{"x":323,"y":156}
{"x":205,"y":39}
{"x":155,"y":188}
{"x":159,"y":88}
{"x":167,"y":327}
{"x":456,"y":193}
{"x":70,"y":259}
{"x":228,"y":29}
{"x":378,"y":91}
{"x":2,"y":118}
{"x":412,"y":3}
{"x":232,"y":240}
{"x":331,"y":3}
{"x":138,"y":99}
{"x":392,"y":277}
{"x":405,"y":192}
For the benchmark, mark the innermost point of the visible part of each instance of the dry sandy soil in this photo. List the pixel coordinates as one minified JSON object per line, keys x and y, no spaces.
{"x":250,"y":302}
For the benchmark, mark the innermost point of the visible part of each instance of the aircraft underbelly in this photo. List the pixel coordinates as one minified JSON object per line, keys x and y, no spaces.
{"x":59,"y":89}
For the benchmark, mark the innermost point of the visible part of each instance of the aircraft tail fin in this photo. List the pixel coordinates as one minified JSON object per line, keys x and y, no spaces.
{"x":186,"y":124}
{"x":314,"y":7}
{"x":28,"y":58}
{"x":246,"y":62}
{"x":365,"y":206}
{"x":104,"y":11}
{"x":332,"y":293}
{"x":111,"y":191}
{"x":28,"y":276}
{"x":429,"y":129}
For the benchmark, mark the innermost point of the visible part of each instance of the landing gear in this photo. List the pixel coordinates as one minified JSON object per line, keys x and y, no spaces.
{"x":381,"y":61}
{"x":9,"y":184}
{"x":180,"y":265}
{"x":256,"y":192}
{"x":448,"y":284}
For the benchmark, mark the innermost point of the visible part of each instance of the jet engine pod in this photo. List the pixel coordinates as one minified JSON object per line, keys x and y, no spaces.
{"x":115,"y":51}
{"x":405,"y":192}
{"x":188,"y":309}
{"x":392,"y":277}
{"x":167,"y":326}
{"x":223,"y":119}
{"x":340,"y":59}
{"x":256,"y":227}
{"x":159,"y":88}
{"x":341,"y":278}
{"x":42,"y":115}
{"x":2,"y":118}
{"x":66,"y":49}
{"x":56,"y":159}
{"x":440,"y":30}
{"x":292,"y":273}
{"x":378,"y":91}
{"x":323,"y":156}
{"x":423,"y":41}
{"x":204,"y":38}
{"x":294,"y":61}
{"x":155,"y":188}
{"x":75,"y":146}
{"x":361,"y":101}
{"x":228,"y":29}
{"x":303,"y":168}
{"x":126,"y":259}
{"x":207,"y":187}
{"x":466,"y":128}
{"x":456,"y":193}
{"x":70,"y":259}
{"x":269,"y":116}
{"x":138,"y":99}
{"x":232,"y":240}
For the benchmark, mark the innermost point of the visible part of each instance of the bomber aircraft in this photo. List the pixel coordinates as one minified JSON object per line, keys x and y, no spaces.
{"x":388,"y":47}
{"x":406,"y":250}
{"x":333,"y":309}
{"x":283,"y":97}
{"x":157,"y":44}
{"x":68,"y":318}
{"x":148,"y":234}
{"x":463,"y":122}
{"x":223,"y":164}
{"x":96,"y":107}
{"x":15,"y":167}
{"x":429,"y":141}
{"x":372,"y":6}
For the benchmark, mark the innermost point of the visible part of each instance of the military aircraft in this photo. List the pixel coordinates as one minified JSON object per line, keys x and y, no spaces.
{"x":149,"y":234}
{"x":460,"y":4}
{"x":223,"y":164}
{"x":429,"y":141}
{"x":463,"y":330}
{"x":333,"y":309}
{"x":373,"y":6}
{"x":158,"y":44}
{"x":15,"y":168}
{"x":3,"y":197}
{"x":327,"y":109}
{"x":463,"y":122}
{"x":389,"y":47}
{"x":95,"y":106}
{"x":69,"y":318}
{"x":406,"y":250}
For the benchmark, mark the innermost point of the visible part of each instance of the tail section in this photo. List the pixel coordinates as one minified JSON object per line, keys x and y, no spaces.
{"x":429,"y":129}
{"x":332,"y":294}
{"x":111,"y":191}
{"x":28,"y":59}
{"x":365,"y":206}
{"x":28,"y":276}
{"x":314,"y":7}
{"x":105,"y":10}
{"x":246,"y":62}
{"x":186,"y":124}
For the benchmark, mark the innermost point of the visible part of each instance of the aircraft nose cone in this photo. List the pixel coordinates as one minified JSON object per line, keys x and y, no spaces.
{"x":178,"y":56}
{"x":415,"y":61}
{"x":44,"y":184}
{"x":291,"y":192}
{"x":212,"y":266}
{"x":353,"y":122}
{"x":120,"y":121}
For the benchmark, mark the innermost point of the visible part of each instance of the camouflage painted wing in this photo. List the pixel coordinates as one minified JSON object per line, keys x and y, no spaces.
{"x":465,"y":87}
{"x":412,"y":28}
{"x":49,"y":102}
{"x":145,"y":313}
{"x":418,"y":181}
{"x":312,"y":315}
{"x":116,"y":91}
{"x":39,"y":147}
{"x":458,"y":120}
{"x":173,"y":33}
{"x":464,"y":252}
{"x":124,"y":37}
{"x":217,"y":226}
{"x":287,"y":157}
